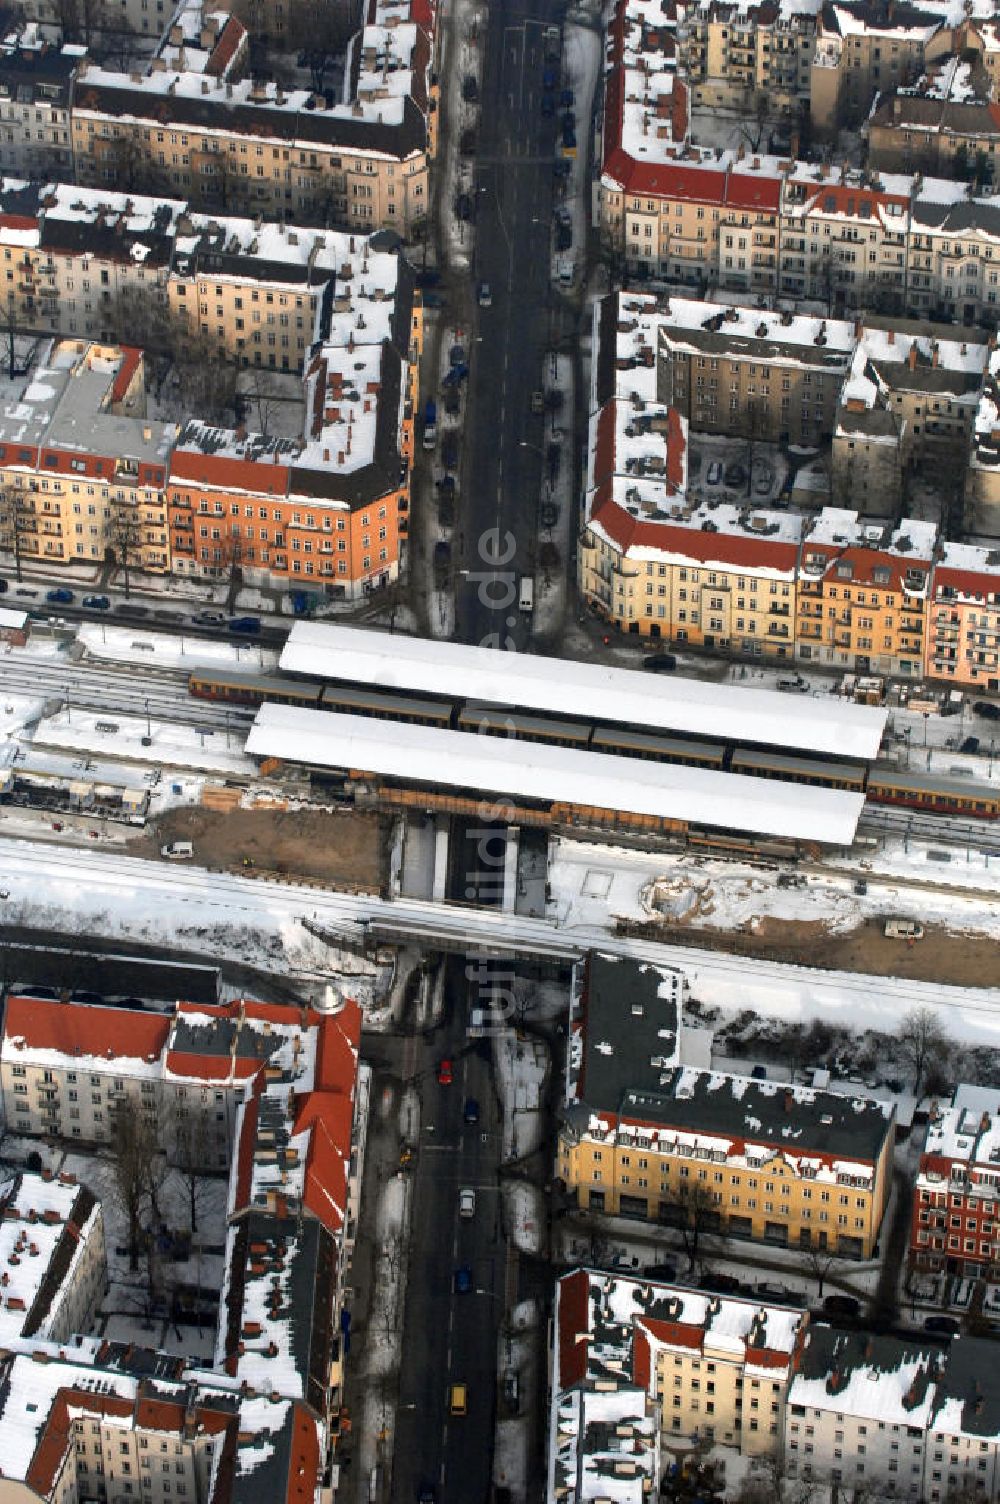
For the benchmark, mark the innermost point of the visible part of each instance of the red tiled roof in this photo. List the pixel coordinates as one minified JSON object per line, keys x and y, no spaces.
{"x":223,"y":473}
{"x":675,"y":1333}
{"x":226,"y":47}
{"x":18,"y":222}
{"x":574,"y":1322}
{"x":131,"y":358}
{"x":337,"y":1046}
{"x":743,"y":551}
{"x":303,"y":1457}
{"x":642,"y":1358}
{"x":966,"y":581}
{"x":78,"y":1029}
{"x":676,"y":446}
{"x":864,"y":562}
{"x":767,"y":1357}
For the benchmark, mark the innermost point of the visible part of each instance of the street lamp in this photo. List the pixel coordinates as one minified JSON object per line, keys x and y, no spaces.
{"x":149,"y":724}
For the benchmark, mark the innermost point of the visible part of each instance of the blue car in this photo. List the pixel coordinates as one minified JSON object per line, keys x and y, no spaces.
{"x":471,"y":1110}
{"x":97,"y":603}
{"x":463,"y":1279}
{"x":247,"y":625}
{"x":60,"y":597}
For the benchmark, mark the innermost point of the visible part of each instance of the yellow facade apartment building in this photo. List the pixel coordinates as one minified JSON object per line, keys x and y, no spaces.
{"x":641,"y":1135}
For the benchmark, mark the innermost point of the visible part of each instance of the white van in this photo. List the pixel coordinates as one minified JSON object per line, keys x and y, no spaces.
{"x":177,"y":851}
{"x":904,"y":929}
{"x":527,"y":600}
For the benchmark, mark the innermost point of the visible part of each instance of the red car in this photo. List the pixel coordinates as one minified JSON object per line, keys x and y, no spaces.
{"x":444,"y":1073}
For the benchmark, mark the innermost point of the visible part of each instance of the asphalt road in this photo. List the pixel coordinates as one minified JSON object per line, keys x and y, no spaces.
{"x":450,"y":1337}
{"x":513,"y":205}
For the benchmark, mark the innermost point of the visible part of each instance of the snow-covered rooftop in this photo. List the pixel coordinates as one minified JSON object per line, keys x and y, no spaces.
{"x":562,"y":687}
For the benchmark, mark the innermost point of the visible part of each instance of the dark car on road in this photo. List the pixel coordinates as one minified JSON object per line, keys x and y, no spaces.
{"x":97,"y":602}
{"x":245,"y":625}
{"x":548,"y":104}
{"x":60,"y":597}
{"x":564,"y":235}
{"x":471,"y":1112}
{"x":987,"y":710}
{"x":463,"y":207}
{"x":660,"y":663}
{"x":449,"y":451}
{"x":942,"y":1326}
{"x":842,"y":1305}
{"x":127,"y":609}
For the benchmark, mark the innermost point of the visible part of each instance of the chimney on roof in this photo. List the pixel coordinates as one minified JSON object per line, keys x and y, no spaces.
{"x":789,"y":1099}
{"x":911,"y":359}
{"x":935,"y":352}
{"x":984,"y":1123}
{"x":891,"y":336}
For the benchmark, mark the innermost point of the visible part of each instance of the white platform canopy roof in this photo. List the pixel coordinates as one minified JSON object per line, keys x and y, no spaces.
{"x":529,"y":770}
{"x":558,"y":686}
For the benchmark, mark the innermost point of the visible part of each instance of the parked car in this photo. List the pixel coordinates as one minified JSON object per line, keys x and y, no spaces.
{"x":463,"y":207}
{"x":209,"y":618}
{"x":471,"y":1113}
{"x":449,"y":451}
{"x":665,"y":1270}
{"x":26,"y":591}
{"x":548,"y":103}
{"x":942,"y":1326}
{"x":796,"y":686}
{"x":484,"y":295}
{"x":467,"y":143}
{"x":714,"y":473}
{"x":245,"y":626}
{"x":735,"y":475}
{"x":433,"y":300}
{"x":60,"y":596}
{"x":97,"y":602}
{"x":987,"y":710}
{"x":842,"y":1305}
{"x":566,"y":99}
{"x":470,"y":88}
{"x":561,"y":168}
{"x":445,"y":1074}
{"x":442,"y":554}
{"x":763,"y":480}
{"x":537,"y":402}
{"x":3,"y":587}
{"x":660,"y":663}
{"x":564,"y":235}
{"x":971,"y":744}
{"x":126,"y":608}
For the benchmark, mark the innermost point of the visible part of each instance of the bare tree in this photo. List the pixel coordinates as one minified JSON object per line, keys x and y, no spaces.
{"x":123,"y":538}
{"x":320,"y":29}
{"x":17,"y":519}
{"x":141,"y":316}
{"x":820,"y":1263}
{"x":190,"y":1147}
{"x":134,"y":1149}
{"x":258,"y":400}
{"x":696,"y":1214}
{"x":206,"y":381}
{"x":920,"y":1038}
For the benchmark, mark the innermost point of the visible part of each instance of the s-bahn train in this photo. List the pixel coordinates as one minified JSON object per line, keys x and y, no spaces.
{"x":881,"y":784}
